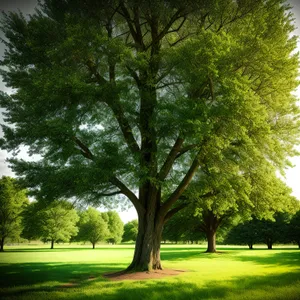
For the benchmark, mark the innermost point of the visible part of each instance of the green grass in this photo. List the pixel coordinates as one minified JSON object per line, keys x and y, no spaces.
{"x":76,"y":273}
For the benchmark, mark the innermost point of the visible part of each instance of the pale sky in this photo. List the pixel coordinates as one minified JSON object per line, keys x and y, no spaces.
{"x":27,"y":6}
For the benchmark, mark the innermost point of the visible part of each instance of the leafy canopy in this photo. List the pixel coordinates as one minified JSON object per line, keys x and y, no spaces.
{"x":217,"y":76}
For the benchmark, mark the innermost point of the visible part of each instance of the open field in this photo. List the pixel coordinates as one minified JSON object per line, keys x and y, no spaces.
{"x":76,"y":273}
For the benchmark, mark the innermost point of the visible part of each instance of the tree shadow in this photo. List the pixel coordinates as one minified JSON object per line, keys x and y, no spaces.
{"x":65,"y":275}
{"x":244,"y":287}
{"x":285,"y":258}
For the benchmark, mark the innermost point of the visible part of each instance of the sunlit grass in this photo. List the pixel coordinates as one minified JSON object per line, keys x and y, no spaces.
{"x":76,"y":273}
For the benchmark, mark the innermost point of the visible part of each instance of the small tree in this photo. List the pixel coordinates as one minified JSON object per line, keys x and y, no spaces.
{"x":58,"y":222}
{"x":92,"y":227}
{"x":12,"y":202}
{"x":130,"y":231}
{"x":115,"y":226}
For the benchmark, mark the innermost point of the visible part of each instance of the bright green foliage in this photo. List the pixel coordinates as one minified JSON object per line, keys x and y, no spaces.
{"x":57,"y":222}
{"x":120,"y":96}
{"x":294,"y":228}
{"x":92,"y":227}
{"x":115,"y":226}
{"x":13,"y":200}
{"x":130,"y":231}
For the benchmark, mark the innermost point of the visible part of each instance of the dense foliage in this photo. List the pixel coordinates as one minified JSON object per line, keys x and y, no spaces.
{"x":130,"y":231}
{"x":126,"y":96}
{"x":282,"y":229}
{"x":92,"y":227}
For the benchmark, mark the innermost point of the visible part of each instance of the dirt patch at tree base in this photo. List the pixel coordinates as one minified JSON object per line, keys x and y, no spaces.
{"x":156,"y":274}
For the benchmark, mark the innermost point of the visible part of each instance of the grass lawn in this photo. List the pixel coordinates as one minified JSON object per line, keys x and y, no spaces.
{"x":76,"y":273}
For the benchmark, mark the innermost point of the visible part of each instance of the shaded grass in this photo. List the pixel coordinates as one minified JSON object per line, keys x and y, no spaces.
{"x":77,"y":273}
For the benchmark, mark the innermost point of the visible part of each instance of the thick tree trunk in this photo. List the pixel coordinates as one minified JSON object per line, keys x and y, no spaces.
{"x":2,"y":244}
{"x":250,"y":246}
{"x":93,"y":245}
{"x":147,"y":247}
{"x":211,"y":241}
{"x":52,"y":244}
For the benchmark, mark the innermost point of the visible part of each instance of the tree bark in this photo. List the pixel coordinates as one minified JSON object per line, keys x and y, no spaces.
{"x":93,"y":245}
{"x":211,"y":241}
{"x":2,"y":244}
{"x":250,"y":246}
{"x":147,"y":248}
{"x":52,"y":244}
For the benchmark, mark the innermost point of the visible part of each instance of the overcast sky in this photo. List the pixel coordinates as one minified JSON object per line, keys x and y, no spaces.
{"x":27,"y":7}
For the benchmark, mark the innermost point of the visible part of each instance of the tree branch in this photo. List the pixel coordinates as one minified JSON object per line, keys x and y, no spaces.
{"x":85,"y":151}
{"x":175,"y":17}
{"x":128,"y":193}
{"x":186,"y":149}
{"x":136,"y":34}
{"x":175,"y":210}
{"x":182,"y":186}
{"x":125,"y":126}
{"x":93,"y":69}
{"x":170,"y":159}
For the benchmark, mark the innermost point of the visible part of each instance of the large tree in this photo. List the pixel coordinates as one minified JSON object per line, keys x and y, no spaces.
{"x":13,"y":200}
{"x":127,"y":97}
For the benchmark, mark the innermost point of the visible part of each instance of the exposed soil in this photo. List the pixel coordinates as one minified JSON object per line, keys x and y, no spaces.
{"x":118,"y":276}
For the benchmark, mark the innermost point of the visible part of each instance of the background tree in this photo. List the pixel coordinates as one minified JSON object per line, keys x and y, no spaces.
{"x":183,"y":227}
{"x":115,"y":227}
{"x":31,"y":221}
{"x":294,"y":228}
{"x":130,"y":231}
{"x":127,"y":97}
{"x":274,"y":231}
{"x":246,"y":233}
{"x":267,"y":231}
{"x":13,"y":200}
{"x":58,"y":222}
{"x":228,"y":191}
{"x":92,"y":227}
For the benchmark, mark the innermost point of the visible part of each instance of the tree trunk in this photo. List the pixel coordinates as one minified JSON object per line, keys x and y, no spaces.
{"x":147,"y":248}
{"x":2,"y":244}
{"x":93,"y":245}
{"x":211,"y":241}
{"x":250,"y":246}
{"x":269,"y":244}
{"x":52,"y":244}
